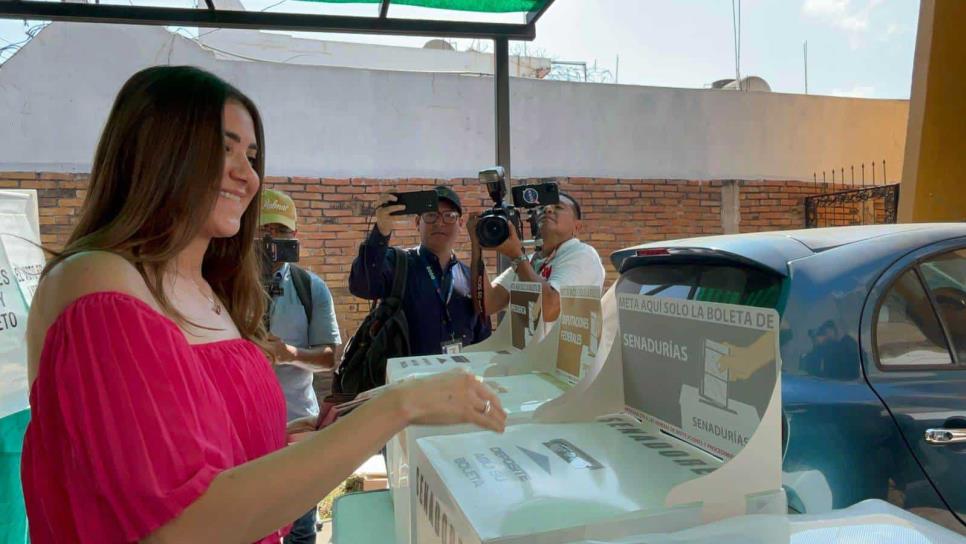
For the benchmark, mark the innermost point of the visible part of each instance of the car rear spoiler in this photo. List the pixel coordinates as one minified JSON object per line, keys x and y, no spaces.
{"x":627,"y":259}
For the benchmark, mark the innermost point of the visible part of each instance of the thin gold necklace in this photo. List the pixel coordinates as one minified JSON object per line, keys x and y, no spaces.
{"x":215,"y":305}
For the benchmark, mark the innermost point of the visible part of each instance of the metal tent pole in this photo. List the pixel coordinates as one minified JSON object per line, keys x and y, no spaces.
{"x":501,"y":87}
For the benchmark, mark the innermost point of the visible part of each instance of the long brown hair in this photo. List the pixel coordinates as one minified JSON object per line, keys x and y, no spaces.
{"x":154,"y":182}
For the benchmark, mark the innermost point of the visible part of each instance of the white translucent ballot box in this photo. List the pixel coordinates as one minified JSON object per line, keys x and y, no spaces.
{"x":870,"y":521}
{"x":672,"y":455}
{"x":523,"y":327}
{"x":524,"y":382}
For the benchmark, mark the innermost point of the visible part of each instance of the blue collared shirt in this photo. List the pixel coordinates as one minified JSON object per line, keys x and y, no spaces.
{"x":430,"y":325}
{"x":289,"y":322}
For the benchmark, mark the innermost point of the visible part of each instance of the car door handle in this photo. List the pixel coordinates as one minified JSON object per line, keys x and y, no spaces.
{"x":946,"y":436}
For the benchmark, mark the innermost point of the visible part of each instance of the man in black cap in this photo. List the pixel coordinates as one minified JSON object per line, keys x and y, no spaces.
{"x":437,"y":302}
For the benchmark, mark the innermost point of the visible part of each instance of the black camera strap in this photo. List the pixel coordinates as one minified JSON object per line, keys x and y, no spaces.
{"x":477,"y":277}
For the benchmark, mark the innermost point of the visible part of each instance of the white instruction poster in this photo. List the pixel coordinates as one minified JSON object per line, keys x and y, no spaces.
{"x":717,"y":365}
{"x":21,"y":262}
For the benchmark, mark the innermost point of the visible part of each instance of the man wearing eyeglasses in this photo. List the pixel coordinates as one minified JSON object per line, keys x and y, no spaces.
{"x":437,"y":302}
{"x":562,"y":261}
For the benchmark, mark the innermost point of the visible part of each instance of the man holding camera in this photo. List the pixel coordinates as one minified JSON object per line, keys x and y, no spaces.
{"x":437,"y":301}
{"x":563,"y":260}
{"x":301,"y":322}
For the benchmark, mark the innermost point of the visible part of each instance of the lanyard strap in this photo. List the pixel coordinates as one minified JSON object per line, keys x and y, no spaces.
{"x":545,"y":262}
{"x":436,"y":281}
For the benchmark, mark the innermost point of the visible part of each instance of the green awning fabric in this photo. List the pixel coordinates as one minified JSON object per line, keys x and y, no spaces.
{"x":13,"y":521}
{"x":482,"y":6}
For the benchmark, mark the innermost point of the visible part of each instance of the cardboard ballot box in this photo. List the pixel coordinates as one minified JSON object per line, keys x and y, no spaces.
{"x":526,"y":381}
{"x":679,"y":454}
{"x":523,"y":327}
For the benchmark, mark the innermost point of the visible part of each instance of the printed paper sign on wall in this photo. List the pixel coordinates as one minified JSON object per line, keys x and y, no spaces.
{"x":21,"y":263}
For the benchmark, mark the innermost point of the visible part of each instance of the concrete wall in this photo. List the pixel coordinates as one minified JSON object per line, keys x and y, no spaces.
{"x":350,"y":123}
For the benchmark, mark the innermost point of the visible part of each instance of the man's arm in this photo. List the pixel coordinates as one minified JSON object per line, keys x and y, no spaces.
{"x":316,"y":359}
{"x":320,"y":357}
{"x":323,"y":334}
{"x":513,"y":248}
{"x":577,"y":267}
{"x":551,"y":298}
{"x":372,"y":269}
{"x":323,"y":330}
{"x":496,"y":296}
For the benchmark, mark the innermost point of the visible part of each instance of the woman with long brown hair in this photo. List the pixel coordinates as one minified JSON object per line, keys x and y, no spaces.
{"x":155,"y":414}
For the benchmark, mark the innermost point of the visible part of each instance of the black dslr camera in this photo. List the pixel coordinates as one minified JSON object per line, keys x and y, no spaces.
{"x":494,"y":224}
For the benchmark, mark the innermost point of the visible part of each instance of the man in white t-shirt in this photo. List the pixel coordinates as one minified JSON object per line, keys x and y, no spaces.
{"x":563,"y":261}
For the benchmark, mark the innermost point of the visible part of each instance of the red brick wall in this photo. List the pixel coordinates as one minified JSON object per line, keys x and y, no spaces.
{"x":333,"y":215}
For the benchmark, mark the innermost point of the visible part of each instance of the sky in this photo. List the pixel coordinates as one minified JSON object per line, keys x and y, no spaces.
{"x":860,"y":48}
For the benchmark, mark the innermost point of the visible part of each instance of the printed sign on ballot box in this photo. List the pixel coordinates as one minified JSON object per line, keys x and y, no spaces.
{"x":718,"y":365}
{"x":525,"y":311}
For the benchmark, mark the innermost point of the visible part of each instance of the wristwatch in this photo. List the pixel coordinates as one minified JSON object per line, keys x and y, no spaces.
{"x":518,"y":261}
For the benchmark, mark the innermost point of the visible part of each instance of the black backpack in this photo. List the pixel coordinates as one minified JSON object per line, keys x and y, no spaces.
{"x":383,"y":334}
{"x":303,"y":288}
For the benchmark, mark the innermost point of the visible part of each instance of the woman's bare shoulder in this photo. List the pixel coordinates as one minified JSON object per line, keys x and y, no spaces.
{"x":76,"y":276}
{"x":83,"y":274}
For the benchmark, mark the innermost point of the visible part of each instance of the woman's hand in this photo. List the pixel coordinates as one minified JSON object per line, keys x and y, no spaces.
{"x":450,"y":398}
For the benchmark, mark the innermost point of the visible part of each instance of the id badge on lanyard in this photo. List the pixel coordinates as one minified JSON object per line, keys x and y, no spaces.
{"x":452,"y":347}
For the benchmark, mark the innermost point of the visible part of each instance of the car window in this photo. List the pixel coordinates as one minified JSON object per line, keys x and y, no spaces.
{"x":738,"y":285}
{"x":667,"y":281}
{"x":708,"y":283}
{"x":907,"y":330}
{"x":945,"y":276}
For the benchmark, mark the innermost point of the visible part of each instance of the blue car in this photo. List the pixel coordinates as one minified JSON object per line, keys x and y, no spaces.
{"x":873,"y":347}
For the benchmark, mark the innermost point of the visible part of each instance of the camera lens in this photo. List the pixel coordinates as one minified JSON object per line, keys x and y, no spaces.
{"x":492,"y":230}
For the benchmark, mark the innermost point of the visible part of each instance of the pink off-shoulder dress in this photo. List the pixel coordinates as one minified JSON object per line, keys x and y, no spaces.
{"x":130,"y":423}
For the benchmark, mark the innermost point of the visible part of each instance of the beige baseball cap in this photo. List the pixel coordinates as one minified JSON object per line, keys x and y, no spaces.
{"x":277,"y":207}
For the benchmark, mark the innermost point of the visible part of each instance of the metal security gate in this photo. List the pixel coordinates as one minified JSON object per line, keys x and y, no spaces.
{"x":867,"y":206}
